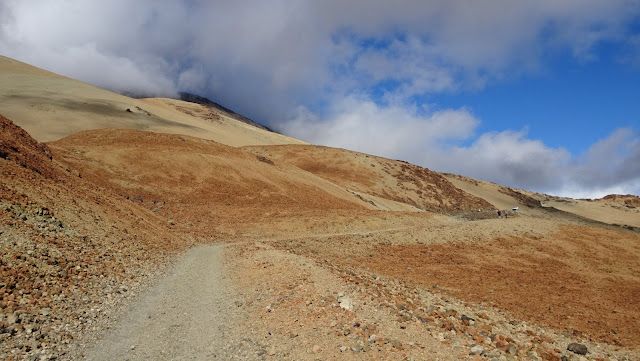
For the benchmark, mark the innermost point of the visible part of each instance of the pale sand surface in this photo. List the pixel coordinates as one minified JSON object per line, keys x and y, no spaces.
{"x":488,"y":191}
{"x":50,"y":106}
{"x":603,"y":211}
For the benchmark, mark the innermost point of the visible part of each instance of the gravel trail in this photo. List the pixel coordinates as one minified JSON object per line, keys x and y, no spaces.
{"x":188,"y":315}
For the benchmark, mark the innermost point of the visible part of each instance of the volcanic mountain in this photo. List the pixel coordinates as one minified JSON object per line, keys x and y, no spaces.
{"x":318,"y":250}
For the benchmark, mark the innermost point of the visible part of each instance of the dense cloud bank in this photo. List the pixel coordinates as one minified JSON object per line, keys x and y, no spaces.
{"x":348,"y":74}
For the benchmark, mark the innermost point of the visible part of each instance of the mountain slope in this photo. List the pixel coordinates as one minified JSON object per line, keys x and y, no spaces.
{"x":376,"y":177}
{"x":202,"y":185}
{"x":623,"y":210}
{"x":192,"y":98}
{"x":50,"y":106}
{"x":500,"y":197}
{"x":66,"y":246}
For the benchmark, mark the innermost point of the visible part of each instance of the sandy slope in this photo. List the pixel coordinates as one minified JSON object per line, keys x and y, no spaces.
{"x":622,"y":211}
{"x":375,"y":178}
{"x":202,"y":185}
{"x":499,"y":196}
{"x":603,"y":210}
{"x":50,"y":106}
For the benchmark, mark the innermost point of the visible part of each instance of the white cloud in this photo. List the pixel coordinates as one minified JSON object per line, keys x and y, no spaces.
{"x":507,"y":158}
{"x":393,"y":131}
{"x":193,"y":79}
{"x":436,"y":140}
{"x":611,"y":161}
{"x":286,"y":51}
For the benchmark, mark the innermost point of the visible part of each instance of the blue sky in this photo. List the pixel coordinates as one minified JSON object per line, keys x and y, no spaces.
{"x":541,"y":95}
{"x":571,"y":104}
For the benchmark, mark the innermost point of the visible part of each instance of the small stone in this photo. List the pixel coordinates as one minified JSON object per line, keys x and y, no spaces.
{"x":343,"y":348}
{"x":373,"y":338}
{"x":577,"y":348}
{"x":395,"y":343}
{"x":356,"y":348}
{"x":316,"y":348}
{"x":533,"y":356}
{"x":345,"y":303}
{"x":12,"y":318}
{"x":476,"y":350}
{"x":466,"y":320}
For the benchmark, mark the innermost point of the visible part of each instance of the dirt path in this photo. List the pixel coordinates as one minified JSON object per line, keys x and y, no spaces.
{"x":188,"y":315}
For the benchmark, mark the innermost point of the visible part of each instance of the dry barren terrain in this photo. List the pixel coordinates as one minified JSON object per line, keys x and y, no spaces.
{"x":216,"y":240}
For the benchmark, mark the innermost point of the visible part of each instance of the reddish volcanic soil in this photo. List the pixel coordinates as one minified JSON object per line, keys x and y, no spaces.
{"x":585,"y":280}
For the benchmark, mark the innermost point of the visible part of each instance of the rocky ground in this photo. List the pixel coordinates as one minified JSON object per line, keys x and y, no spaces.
{"x":301,"y":298}
{"x":71,"y":253}
{"x":58,"y":285}
{"x":296,"y":301}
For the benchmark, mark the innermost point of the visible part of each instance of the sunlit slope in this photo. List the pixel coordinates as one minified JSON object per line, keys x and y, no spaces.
{"x":375,"y":179}
{"x":501,"y":197}
{"x":49,"y":106}
{"x":61,"y":215}
{"x":199,"y":183}
{"x":612,"y":209}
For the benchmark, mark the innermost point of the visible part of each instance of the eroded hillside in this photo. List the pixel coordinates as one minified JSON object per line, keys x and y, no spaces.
{"x":69,"y":250}
{"x":369,"y":175}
